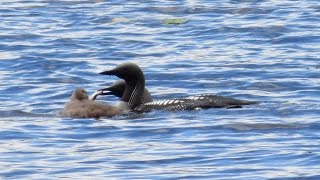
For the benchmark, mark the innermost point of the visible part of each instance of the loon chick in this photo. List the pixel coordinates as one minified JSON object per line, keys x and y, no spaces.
{"x":134,"y":86}
{"x":80,"y":106}
{"x":117,"y":89}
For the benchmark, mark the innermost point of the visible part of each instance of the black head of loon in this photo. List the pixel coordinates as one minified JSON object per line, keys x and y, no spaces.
{"x":117,"y":89}
{"x":134,"y":83}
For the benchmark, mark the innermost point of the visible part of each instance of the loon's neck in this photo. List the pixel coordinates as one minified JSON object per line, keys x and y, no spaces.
{"x":133,"y":93}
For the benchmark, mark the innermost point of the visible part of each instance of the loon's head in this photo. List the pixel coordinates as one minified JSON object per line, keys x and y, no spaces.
{"x":116,"y":89}
{"x":79,"y":94}
{"x":134,"y":83}
{"x":130,"y":72}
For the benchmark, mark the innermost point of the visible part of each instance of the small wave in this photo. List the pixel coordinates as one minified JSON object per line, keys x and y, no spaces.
{"x":19,"y":113}
{"x":264,"y":126}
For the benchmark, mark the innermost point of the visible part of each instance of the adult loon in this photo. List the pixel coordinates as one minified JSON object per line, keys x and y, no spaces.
{"x":134,"y":91}
{"x":80,"y":106}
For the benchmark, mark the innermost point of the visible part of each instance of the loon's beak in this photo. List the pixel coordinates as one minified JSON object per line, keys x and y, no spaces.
{"x":110,"y":72}
{"x":99,"y":93}
{"x":105,"y":91}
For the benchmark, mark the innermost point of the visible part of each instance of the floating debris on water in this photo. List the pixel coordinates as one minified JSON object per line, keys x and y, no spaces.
{"x":175,"y":21}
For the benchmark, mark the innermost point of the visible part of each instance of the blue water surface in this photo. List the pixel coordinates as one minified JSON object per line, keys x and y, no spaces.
{"x":267,"y":51}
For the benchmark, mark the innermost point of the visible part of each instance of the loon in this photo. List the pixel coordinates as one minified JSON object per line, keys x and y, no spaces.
{"x":133,"y":94}
{"x":80,"y":106}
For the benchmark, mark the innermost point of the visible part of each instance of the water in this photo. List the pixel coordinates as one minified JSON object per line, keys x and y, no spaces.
{"x":266,"y":51}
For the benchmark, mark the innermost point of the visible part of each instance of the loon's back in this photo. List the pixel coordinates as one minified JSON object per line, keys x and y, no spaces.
{"x":203,"y":101}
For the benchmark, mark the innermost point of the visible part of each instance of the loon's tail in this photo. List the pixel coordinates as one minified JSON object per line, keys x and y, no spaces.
{"x":246,"y":102}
